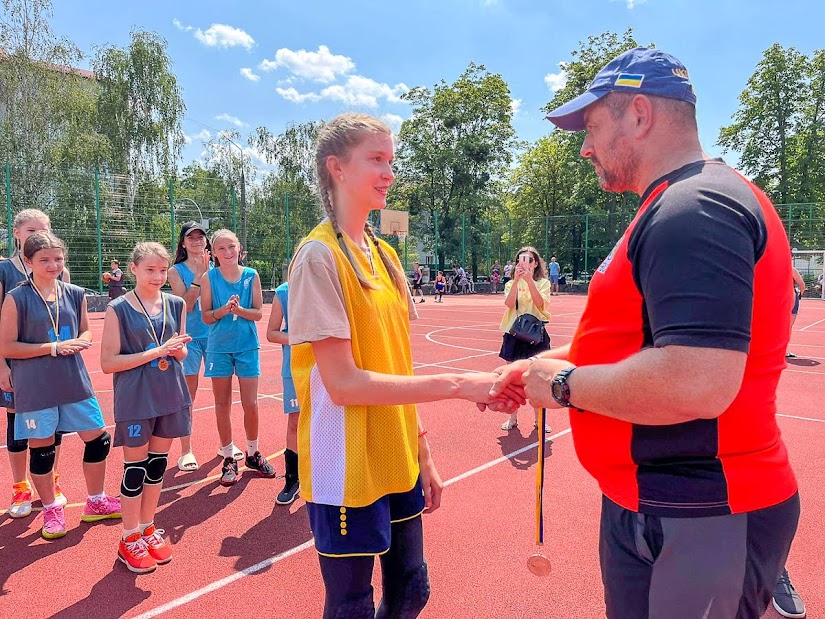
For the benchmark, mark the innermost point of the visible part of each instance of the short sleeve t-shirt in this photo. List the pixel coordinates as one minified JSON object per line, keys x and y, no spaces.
{"x":116,"y":284}
{"x":703,"y":264}
{"x":554,"y":269}
{"x":316,"y":289}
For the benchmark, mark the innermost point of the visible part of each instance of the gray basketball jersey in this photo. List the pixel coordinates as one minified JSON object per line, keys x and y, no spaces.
{"x":146,"y":391}
{"x":44,"y":382}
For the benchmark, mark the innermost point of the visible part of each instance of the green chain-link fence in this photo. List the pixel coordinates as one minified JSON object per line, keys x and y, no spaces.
{"x":102,"y":215}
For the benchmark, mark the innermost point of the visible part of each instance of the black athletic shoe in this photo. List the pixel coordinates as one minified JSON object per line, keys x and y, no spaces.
{"x":289,"y":493}
{"x":259,"y":463}
{"x":786,"y":600}
{"x":229,"y":472}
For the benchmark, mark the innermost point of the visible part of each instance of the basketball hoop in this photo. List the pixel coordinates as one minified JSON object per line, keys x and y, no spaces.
{"x":402,"y":236}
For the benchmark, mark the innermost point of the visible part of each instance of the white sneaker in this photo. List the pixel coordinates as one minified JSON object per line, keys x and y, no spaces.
{"x":509,"y":424}
{"x":547,"y":428}
{"x":237,"y":454}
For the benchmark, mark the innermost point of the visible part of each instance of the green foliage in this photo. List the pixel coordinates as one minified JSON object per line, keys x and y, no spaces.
{"x":458,"y":141}
{"x":140,"y":106}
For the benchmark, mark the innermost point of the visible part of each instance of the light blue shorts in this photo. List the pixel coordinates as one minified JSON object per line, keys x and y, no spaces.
{"x":290,"y":397}
{"x":245,"y":364}
{"x":76,"y":417}
{"x":196,"y":352}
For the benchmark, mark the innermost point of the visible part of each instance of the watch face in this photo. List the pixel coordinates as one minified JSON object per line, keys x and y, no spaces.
{"x":558,"y":394}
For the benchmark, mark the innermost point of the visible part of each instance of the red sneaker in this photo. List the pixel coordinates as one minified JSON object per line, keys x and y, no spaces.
{"x":161,"y":551}
{"x":134,"y":553}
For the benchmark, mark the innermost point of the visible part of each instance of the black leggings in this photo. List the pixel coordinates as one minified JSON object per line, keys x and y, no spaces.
{"x":348,"y":580}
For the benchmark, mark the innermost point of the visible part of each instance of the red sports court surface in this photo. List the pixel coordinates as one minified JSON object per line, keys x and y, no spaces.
{"x":236,"y":553}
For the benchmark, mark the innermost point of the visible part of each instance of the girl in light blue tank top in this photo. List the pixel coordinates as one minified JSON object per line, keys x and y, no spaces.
{"x":232,"y":299}
{"x":193,"y":259}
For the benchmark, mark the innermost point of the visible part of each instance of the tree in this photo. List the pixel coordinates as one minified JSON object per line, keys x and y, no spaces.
{"x":140,"y":106}
{"x":586,"y":201}
{"x":457,"y":142}
{"x":767,"y":121}
{"x":47,"y":107}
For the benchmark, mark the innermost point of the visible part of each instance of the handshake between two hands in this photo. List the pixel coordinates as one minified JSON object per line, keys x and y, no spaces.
{"x":510,"y":386}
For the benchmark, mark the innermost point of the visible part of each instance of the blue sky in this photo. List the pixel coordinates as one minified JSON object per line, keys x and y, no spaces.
{"x":250,"y":63}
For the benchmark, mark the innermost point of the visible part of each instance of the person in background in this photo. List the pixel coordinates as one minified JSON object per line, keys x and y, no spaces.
{"x":554,"y":272}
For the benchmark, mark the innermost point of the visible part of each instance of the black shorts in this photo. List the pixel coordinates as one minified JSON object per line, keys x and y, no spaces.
{"x":796,"y":297}
{"x":417,"y":286}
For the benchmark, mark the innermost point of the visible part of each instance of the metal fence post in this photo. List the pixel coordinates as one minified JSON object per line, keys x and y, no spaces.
{"x":463,"y":240}
{"x":586,"y":239}
{"x":99,"y":234}
{"x":488,"y":246}
{"x":437,"y":261}
{"x":172,"y":211}
{"x":546,"y":239}
{"x":288,"y":238}
{"x":8,"y":208}
{"x":234,"y":211}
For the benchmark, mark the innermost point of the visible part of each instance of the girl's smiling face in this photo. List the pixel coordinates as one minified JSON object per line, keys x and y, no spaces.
{"x":47,"y":263}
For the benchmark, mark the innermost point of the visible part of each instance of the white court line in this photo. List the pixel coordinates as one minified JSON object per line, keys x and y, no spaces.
{"x":220,"y":584}
{"x":812,"y":324}
{"x":802,"y":418}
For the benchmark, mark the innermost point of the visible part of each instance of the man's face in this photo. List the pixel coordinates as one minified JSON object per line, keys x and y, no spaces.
{"x":609,"y":148}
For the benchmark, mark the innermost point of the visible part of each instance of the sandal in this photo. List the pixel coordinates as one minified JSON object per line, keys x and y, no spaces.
{"x":187,"y":462}
{"x":237,"y":454}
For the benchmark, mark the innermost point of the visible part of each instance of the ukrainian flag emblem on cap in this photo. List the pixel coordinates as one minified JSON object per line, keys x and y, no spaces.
{"x":632,"y":80}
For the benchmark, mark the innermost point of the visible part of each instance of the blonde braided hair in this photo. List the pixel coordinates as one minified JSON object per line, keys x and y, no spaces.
{"x":337,"y":138}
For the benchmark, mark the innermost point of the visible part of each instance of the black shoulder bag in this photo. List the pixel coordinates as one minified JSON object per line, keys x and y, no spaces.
{"x":527,"y":327}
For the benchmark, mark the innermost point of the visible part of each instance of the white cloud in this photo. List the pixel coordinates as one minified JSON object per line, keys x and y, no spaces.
{"x":393,"y":121}
{"x":515,"y":105}
{"x":556,"y":81}
{"x":321,"y":66}
{"x":232,"y":120}
{"x":631,"y":4}
{"x":180,"y":26}
{"x":221,"y":35}
{"x":248,"y":74}
{"x":290,"y":94}
{"x":357,"y":91}
{"x":203,"y":136}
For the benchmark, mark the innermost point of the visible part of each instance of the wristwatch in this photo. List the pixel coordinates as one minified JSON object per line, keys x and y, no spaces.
{"x":561,"y":390}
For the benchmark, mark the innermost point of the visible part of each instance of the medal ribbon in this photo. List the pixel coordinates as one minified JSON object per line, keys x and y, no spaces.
{"x":542,"y":416}
{"x":55,"y":320}
{"x":151,"y":324}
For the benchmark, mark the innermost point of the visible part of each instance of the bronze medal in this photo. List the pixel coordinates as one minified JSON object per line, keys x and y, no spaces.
{"x":163,"y":365}
{"x":538,"y":564}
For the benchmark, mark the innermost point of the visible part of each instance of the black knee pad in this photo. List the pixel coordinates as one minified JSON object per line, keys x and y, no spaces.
{"x":41,"y":460}
{"x":97,"y":450}
{"x":155,"y":468}
{"x":134,"y":476}
{"x":361,"y":608}
{"x":58,"y":439}
{"x":14,"y":445}
{"x":410,"y":596}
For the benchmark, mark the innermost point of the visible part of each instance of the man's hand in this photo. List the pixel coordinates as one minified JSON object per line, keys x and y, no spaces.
{"x":479,"y":388}
{"x":537,"y":381}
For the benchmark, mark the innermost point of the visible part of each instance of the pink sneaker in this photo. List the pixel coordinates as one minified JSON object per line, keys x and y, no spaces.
{"x":54,"y":522}
{"x":102,"y":509}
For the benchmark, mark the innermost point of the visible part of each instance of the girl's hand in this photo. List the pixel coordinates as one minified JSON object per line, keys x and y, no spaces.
{"x":73,"y":346}
{"x":430,"y":479}
{"x":5,"y":377}
{"x":173,"y":345}
{"x":234,"y":303}
{"x":202,"y":264}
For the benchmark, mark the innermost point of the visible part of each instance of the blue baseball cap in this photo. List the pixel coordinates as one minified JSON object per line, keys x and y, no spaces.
{"x":639,"y":71}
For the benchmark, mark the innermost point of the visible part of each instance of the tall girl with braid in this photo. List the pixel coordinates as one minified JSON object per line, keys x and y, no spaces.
{"x":43,"y":328}
{"x":144,"y":343}
{"x":14,"y":272}
{"x":364,"y":461}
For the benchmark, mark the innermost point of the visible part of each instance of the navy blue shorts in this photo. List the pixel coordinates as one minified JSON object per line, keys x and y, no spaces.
{"x":362,"y":531}
{"x":796,"y":298}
